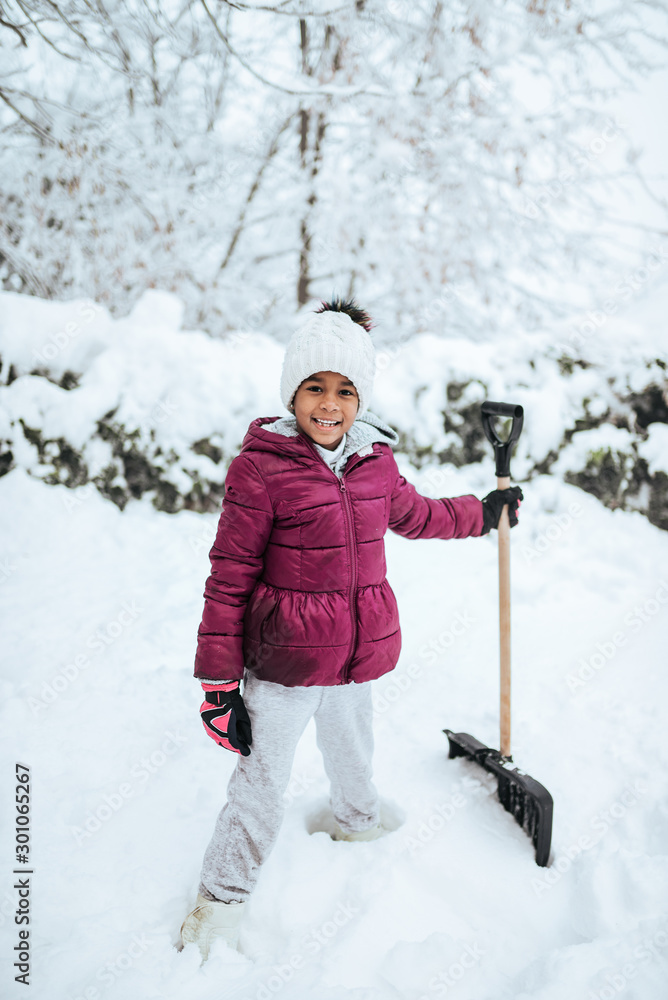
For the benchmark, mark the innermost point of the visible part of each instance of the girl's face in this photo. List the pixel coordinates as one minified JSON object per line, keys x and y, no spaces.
{"x":325,"y":406}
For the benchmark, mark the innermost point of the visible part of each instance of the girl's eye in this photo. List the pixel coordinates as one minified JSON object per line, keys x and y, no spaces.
{"x":317,"y":388}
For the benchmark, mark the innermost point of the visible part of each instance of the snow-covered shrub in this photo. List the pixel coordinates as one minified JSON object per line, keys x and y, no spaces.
{"x":134,"y":406}
{"x":138,"y":407}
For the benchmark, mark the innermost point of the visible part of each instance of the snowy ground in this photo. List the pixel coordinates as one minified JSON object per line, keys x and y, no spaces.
{"x":100,"y":611}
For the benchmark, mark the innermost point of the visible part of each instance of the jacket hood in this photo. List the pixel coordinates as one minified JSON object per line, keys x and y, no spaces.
{"x":281,"y":434}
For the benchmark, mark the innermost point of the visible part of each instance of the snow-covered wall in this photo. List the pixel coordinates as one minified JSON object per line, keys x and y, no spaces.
{"x":139,"y":407}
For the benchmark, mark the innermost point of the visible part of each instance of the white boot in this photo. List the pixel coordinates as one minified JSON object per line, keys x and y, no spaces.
{"x":210,"y":920}
{"x":373,"y":833}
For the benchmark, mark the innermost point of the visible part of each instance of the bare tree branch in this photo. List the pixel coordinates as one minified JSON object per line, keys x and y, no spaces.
{"x":41,"y":132}
{"x":14,"y":27}
{"x":238,"y":229}
{"x":251,"y":8}
{"x":242,"y":61}
{"x":65,"y":55}
{"x":27,"y":274}
{"x":69,"y":23}
{"x":325,"y":91}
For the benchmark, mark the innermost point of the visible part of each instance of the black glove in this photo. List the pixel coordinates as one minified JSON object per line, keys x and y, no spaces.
{"x":225,"y":717}
{"x":493,"y":504}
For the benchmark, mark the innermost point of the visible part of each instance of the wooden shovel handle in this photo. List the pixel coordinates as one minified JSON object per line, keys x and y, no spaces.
{"x":503,"y":482}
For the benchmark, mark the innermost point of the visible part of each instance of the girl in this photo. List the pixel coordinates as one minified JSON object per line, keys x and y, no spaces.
{"x":298,"y":605}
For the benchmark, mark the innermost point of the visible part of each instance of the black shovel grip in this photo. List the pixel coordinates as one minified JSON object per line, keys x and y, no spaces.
{"x":502,"y":447}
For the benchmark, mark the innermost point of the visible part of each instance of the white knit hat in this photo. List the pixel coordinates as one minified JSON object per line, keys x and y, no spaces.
{"x":329,"y":342}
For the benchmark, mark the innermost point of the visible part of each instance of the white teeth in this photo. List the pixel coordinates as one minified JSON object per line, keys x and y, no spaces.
{"x":326,"y":423}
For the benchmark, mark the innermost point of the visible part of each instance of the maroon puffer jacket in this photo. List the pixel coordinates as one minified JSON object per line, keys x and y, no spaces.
{"x":297,"y":591}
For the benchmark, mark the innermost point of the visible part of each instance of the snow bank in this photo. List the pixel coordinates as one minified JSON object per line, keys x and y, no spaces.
{"x":138,"y":407}
{"x":138,"y":386}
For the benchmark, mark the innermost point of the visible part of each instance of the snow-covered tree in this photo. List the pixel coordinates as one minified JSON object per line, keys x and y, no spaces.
{"x":451,"y":163}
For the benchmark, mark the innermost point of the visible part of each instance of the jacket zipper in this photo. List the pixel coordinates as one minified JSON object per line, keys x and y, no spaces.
{"x":350,"y":539}
{"x":347,"y":506}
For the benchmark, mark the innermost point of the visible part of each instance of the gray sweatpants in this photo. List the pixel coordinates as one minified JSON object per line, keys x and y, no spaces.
{"x":248,"y":825}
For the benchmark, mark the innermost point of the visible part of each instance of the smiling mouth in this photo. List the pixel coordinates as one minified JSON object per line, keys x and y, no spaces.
{"x":326,"y":424}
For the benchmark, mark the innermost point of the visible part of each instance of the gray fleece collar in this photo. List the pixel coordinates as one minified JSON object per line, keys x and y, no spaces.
{"x":366,"y":429}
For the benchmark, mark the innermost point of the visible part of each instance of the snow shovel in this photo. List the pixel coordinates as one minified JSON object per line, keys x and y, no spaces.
{"x":526,"y":800}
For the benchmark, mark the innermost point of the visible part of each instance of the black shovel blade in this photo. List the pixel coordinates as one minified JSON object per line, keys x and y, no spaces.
{"x":528,"y":802}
